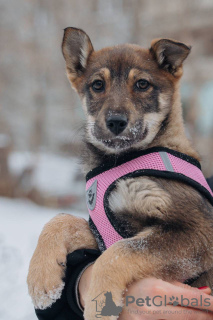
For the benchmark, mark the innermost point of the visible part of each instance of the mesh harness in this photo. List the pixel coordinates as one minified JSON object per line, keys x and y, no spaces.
{"x":155,"y":162}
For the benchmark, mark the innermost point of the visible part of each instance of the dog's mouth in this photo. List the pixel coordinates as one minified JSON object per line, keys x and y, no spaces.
{"x":123,"y":141}
{"x":118,"y":142}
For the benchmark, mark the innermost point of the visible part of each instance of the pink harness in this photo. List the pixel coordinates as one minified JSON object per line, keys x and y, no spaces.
{"x":157,"y":162}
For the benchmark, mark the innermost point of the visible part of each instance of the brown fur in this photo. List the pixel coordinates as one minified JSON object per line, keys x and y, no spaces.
{"x":48,"y":263}
{"x":171,"y":223}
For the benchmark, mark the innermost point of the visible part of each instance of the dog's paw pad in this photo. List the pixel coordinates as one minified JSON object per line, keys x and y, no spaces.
{"x":43,"y":300}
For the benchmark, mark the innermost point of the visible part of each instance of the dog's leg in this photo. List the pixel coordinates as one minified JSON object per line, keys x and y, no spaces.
{"x":159,"y":253}
{"x":61,"y":235}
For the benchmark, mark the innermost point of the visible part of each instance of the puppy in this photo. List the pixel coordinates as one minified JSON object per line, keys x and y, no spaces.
{"x":163,"y":221}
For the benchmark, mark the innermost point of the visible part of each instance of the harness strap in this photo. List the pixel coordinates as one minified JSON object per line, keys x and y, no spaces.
{"x":160,"y":162}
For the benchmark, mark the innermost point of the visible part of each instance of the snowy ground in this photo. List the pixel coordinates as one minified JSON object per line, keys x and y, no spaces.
{"x":20,"y":224}
{"x":53,"y":174}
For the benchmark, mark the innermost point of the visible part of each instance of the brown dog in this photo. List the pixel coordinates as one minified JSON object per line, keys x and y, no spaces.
{"x":171,"y":221}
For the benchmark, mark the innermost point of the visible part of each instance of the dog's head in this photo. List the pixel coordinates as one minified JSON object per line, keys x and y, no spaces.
{"x":127,"y":92}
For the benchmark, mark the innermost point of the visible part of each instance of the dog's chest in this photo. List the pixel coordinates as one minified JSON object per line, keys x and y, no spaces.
{"x":138,"y":202}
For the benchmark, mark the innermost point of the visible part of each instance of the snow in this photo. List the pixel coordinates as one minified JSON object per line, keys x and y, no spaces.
{"x":21,"y":224}
{"x":53,"y":174}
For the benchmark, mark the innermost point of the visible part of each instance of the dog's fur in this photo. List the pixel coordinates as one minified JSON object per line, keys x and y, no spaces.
{"x":172,"y":222}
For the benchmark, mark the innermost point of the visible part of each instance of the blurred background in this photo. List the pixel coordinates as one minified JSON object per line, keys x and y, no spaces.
{"x":41,"y":117}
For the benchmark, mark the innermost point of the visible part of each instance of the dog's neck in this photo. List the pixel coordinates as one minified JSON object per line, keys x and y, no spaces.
{"x":171,"y":135}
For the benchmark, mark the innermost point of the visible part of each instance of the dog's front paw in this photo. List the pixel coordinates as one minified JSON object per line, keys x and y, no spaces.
{"x":45,"y":276}
{"x":61,"y":235}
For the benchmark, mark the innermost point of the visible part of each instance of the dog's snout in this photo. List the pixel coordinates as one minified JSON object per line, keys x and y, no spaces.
{"x":116,"y":123}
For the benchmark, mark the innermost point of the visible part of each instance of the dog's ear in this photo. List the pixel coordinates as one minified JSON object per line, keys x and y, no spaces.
{"x":76,"y":48}
{"x":170,"y":54}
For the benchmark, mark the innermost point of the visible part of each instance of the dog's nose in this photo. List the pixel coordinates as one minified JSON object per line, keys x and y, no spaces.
{"x":117,"y":123}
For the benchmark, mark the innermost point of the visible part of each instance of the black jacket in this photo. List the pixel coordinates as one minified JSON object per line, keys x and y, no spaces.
{"x":66,"y":307}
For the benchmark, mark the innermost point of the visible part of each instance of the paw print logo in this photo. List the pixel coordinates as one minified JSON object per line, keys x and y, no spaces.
{"x":174,"y":301}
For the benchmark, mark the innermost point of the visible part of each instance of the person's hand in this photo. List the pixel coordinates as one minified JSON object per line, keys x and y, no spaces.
{"x":152,"y":287}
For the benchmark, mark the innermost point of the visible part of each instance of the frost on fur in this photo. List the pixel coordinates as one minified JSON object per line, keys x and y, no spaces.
{"x":43,"y":300}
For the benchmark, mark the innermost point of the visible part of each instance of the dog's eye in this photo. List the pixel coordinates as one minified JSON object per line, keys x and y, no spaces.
{"x":142,"y":84}
{"x":98,"y":85}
